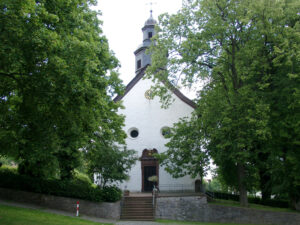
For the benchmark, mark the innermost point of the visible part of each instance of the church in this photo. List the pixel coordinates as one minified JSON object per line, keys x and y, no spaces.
{"x":146,"y":124}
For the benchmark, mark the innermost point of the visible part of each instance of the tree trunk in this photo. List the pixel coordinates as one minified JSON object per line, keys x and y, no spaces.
{"x":242,"y":186}
{"x":264,"y":176}
{"x":264,"y":185}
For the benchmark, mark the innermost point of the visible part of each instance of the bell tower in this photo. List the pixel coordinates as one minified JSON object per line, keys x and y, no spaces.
{"x":142,"y":59}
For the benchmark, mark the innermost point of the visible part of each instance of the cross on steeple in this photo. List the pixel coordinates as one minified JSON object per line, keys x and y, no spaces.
{"x":151,"y":4}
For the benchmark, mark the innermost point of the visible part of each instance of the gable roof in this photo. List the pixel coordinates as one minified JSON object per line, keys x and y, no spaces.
{"x":139,"y":76}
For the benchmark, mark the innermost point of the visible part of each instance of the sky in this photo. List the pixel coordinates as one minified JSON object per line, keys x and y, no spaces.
{"x":122,"y":24}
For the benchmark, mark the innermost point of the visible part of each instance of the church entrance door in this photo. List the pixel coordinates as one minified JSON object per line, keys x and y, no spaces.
{"x":150,"y":167}
{"x":149,"y":171}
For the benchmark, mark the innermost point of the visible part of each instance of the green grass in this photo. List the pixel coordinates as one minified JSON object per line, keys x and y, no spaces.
{"x":191,"y":223}
{"x":19,"y":216}
{"x":251,"y":206}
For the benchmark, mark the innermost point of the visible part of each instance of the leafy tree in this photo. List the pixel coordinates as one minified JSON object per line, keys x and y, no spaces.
{"x":57,"y":77}
{"x":185,"y":154}
{"x":108,"y":161}
{"x":284,"y":100}
{"x":247,"y":54}
{"x":216,"y":184}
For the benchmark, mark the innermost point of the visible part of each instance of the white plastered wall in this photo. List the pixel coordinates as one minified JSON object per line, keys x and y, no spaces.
{"x":148,"y":117}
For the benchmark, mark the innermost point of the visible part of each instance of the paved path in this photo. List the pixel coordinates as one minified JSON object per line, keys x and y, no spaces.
{"x":60,"y":212}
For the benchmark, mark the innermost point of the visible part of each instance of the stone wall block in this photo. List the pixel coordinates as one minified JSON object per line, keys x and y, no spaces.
{"x":97,"y":209}
{"x":195,"y":208}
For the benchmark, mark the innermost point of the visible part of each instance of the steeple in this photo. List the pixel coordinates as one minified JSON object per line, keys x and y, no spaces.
{"x":141,"y":58}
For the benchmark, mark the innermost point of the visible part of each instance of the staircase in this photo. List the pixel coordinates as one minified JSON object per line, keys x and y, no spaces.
{"x":137,"y":209}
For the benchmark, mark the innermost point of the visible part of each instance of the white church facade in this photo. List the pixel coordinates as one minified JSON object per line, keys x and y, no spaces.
{"x":145,"y":123}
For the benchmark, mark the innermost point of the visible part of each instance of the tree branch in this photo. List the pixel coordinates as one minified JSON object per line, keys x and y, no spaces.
{"x":10,"y":75}
{"x":224,"y":86}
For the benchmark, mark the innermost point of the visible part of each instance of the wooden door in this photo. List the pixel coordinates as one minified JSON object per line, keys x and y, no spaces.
{"x":148,"y":172}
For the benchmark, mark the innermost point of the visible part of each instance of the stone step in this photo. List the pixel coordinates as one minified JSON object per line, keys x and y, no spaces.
{"x":126,"y":204}
{"x":137,"y":203}
{"x":137,"y":218}
{"x":139,"y":200}
{"x":137,"y":209}
{"x":137,"y":213}
{"x":138,"y":197}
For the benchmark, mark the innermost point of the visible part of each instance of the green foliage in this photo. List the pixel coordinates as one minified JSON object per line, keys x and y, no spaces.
{"x":8,"y":169}
{"x":185,"y":155}
{"x":8,"y":161}
{"x":245,"y":55}
{"x":255,"y":200}
{"x":74,"y":188}
{"x":216,"y":184}
{"x":83,"y":177}
{"x":109,"y":162}
{"x":111,"y":194}
{"x":57,"y":79}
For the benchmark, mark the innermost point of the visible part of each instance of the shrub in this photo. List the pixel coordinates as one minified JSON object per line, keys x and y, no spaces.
{"x":83,"y":177}
{"x":254,"y":200}
{"x":111,"y":194}
{"x":269,"y":202}
{"x":75,"y":188}
{"x":226,"y":196}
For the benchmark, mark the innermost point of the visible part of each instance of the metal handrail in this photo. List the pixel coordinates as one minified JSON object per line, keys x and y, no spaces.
{"x":210,"y":194}
{"x":154,"y":195}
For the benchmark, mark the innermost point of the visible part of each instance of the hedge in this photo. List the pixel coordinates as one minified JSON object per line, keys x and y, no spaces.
{"x":255,"y":200}
{"x":75,"y":188}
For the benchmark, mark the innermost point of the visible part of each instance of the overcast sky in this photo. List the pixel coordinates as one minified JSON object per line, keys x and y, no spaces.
{"x":122,"y":24}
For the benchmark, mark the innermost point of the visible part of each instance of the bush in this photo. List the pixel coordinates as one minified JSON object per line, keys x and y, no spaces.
{"x":254,"y":200}
{"x":75,"y":188}
{"x":83,"y":177}
{"x":226,"y":196}
{"x":111,"y":194}
{"x":269,"y":202}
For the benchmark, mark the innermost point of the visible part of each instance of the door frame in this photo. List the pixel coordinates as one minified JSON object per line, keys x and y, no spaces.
{"x":147,"y":159}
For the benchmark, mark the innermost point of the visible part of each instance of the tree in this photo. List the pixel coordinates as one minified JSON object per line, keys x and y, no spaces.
{"x":185,"y":155}
{"x":110,"y":162}
{"x":238,"y":49}
{"x":57,"y":79}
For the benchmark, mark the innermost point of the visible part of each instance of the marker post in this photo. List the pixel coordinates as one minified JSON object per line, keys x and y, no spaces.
{"x":77,"y":209}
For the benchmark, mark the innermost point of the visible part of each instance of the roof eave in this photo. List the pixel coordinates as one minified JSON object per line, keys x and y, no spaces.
{"x":139,"y":76}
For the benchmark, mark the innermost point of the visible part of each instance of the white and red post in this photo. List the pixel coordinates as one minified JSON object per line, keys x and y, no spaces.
{"x":77,"y":209}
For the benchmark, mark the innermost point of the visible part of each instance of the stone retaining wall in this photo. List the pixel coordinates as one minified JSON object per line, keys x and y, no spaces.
{"x":102,"y":210}
{"x":195,"y":208}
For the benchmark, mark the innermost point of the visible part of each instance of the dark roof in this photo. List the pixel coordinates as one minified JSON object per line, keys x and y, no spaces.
{"x":139,"y":76}
{"x":150,"y":21}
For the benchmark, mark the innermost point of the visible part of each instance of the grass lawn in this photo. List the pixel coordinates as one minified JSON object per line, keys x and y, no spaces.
{"x":19,"y":216}
{"x":251,"y":206}
{"x":191,"y":223}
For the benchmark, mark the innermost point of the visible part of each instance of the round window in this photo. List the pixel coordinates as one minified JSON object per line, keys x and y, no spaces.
{"x":165,"y":131}
{"x":133,"y":132}
{"x":148,"y":94}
